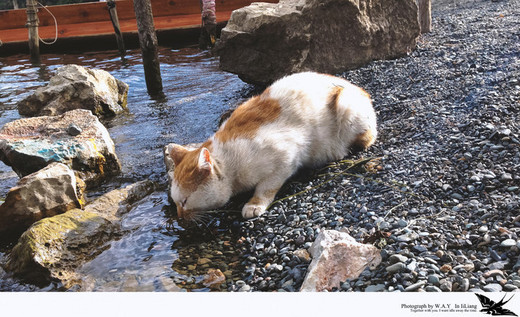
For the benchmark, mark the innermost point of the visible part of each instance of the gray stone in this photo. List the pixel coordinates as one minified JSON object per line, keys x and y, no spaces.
{"x":493,"y":287}
{"x":395,"y":258}
{"x":433,"y":279}
{"x":430,"y":288}
{"x":507,"y":243}
{"x":337,"y":257}
{"x":30,"y":144}
{"x":266,"y":41}
{"x":48,"y":192}
{"x":53,"y":247}
{"x":77,"y":87}
{"x":415,"y":287}
{"x":397,"y":267}
{"x":375,"y":288}
{"x":510,"y":288}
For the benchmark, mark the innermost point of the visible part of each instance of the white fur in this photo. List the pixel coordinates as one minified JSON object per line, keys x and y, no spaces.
{"x":306,"y":133}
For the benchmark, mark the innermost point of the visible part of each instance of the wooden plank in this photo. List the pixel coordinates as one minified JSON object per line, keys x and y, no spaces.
{"x":92,"y":18}
{"x":105,"y":27}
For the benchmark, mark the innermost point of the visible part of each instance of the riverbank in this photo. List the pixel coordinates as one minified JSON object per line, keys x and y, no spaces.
{"x":441,"y":196}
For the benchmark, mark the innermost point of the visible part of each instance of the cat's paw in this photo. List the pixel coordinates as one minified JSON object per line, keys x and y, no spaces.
{"x":251,"y":211}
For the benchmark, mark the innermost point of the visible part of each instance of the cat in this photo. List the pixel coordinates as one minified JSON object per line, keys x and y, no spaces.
{"x":302,"y":120}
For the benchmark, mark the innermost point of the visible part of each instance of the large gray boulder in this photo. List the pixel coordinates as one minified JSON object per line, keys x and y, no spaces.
{"x":336,"y":257}
{"x":266,"y":41}
{"x":53,"y":248}
{"x":48,"y":192}
{"x":77,"y":87}
{"x":75,"y":138}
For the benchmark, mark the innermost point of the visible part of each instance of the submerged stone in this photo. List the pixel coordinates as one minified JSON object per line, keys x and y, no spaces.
{"x":28,"y":145}
{"x":77,"y":87}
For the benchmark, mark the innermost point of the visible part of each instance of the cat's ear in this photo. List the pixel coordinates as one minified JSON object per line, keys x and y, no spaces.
{"x":205,"y":160}
{"x":177,"y":153}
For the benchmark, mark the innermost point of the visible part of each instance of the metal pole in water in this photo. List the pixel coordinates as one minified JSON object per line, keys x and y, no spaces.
{"x":111,"y":4}
{"x":148,"y":43}
{"x":32,"y":25}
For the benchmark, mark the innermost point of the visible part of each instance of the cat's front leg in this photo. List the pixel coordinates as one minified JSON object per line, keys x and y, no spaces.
{"x":263,"y":197}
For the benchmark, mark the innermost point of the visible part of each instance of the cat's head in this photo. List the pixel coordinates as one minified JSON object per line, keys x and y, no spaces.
{"x":197,"y":184}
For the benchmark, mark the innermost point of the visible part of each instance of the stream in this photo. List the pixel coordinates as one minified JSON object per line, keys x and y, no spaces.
{"x":156,"y":253}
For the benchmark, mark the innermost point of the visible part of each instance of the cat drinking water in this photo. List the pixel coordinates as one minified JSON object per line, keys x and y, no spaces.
{"x":302,"y":120}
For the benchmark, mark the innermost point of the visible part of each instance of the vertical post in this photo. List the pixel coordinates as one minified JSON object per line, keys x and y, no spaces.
{"x":111,"y":4}
{"x":148,"y":43}
{"x":208,"y":33}
{"x":425,"y":15}
{"x":15,"y":4}
{"x":32,"y":25}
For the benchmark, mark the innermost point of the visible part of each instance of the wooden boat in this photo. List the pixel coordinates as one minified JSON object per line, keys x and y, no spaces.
{"x":87,"y":26}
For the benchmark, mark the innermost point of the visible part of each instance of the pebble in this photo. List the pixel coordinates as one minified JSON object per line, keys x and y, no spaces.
{"x":375,"y":288}
{"x":74,"y":130}
{"x":415,"y":286}
{"x":395,"y":258}
{"x":508,"y":243}
{"x":446,"y":286}
{"x":397,"y":267}
{"x":431,"y":288}
{"x":433,"y":279}
{"x":494,"y":287}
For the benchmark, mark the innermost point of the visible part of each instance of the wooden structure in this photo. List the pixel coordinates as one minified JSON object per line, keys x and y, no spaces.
{"x":87,"y":26}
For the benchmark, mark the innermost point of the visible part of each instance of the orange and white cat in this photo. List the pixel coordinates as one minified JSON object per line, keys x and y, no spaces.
{"x":305,"y":119}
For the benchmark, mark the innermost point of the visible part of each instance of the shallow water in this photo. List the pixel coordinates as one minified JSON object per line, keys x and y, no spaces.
{"x":197,"y":93}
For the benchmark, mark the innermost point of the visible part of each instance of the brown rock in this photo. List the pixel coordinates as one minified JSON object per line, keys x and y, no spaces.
{"x":214,"y":278}
{"x":265,"y":41}
{"x":48,"y":192}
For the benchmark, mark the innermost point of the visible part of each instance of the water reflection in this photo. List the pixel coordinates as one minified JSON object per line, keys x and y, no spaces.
{"x":196,"y":94}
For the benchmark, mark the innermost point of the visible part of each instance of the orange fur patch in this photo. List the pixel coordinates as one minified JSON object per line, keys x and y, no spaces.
{"x":249,"y":117}
{"x":187,"y":173}
{"x":364,"y":93}
{"x":364,"y":140}
{"x":333,"y":99}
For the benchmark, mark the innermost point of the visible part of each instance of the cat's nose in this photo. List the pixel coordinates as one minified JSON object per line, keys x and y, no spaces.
{"x":183,"y":213}
{"x":180,"y":211}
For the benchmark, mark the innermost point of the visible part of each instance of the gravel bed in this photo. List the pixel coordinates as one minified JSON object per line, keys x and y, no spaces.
{"x":441,"y":198}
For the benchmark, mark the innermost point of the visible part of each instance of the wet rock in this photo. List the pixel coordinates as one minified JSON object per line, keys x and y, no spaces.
{"x":214,"y":278}
{"x":48,"y":192}
{"x":77,"y":87}
{"x":28,"y":145}
{"x":337,"y":257}
{"x":52,"y":248}
{"x":264,"y":41}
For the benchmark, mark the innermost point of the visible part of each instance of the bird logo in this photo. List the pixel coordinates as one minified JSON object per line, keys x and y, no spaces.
{"x":495,"y":309}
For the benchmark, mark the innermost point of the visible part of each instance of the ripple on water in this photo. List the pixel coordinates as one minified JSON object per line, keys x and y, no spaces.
{"x":151,"y":256}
